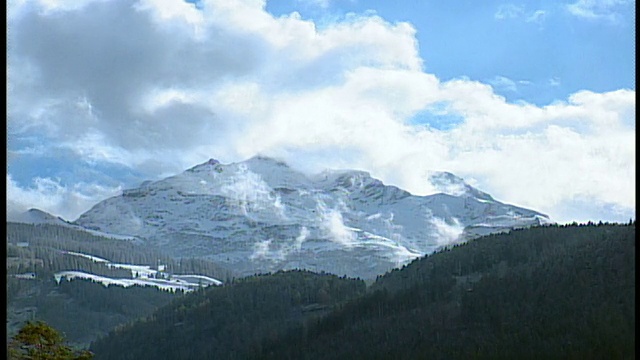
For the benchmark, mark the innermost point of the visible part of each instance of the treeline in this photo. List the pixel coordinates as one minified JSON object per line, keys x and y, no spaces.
{"x":47,"y":244}
{"x":544,"y":292}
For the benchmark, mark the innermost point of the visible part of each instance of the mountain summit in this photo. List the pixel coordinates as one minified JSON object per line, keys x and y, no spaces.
{"x":261,"y":215}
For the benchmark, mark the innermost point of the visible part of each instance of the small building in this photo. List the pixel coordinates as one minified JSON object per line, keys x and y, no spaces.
{"x":28,"y":276}
{"x":22,"y":244}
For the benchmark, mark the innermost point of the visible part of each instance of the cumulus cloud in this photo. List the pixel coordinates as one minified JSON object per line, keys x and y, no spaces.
{"x":161,"y":86}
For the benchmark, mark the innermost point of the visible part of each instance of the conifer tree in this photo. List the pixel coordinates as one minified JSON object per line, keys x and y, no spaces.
{"x":37,"y":340}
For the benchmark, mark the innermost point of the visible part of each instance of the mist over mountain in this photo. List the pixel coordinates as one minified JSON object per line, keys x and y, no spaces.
{"x":261,"y":215}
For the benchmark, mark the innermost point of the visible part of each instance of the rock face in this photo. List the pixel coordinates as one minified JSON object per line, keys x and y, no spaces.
{"x":260,"y":215}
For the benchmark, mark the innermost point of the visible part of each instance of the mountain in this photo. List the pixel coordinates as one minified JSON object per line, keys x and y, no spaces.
{"x":37,"y":216}
{"x":261,"y":215}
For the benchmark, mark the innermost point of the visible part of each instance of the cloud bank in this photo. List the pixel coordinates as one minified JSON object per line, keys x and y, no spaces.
{"x":160,"y":86}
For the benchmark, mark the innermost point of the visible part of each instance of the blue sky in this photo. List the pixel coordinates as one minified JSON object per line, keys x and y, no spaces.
{"x":530,"y":101}
{"x":543,"y":48}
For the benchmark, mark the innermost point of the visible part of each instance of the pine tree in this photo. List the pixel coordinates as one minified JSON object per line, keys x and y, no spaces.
{"x":37,"y":340}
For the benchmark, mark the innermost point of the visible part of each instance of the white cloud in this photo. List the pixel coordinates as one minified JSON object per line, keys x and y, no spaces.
{"x":332,"y":223}
{"x":50,"y":196}
{"x":608,"y":10}
{"x":161,"y":89}
{"x":446,"y":233}
{"x":508,"y":11}
{"x":246,"y":191}
{"x":320,"y":3}
{"x":504,"y":83}
{"x":323,"y":4}
{"x":265,"y":250}
{"x":537,"y":16}
{"x":261,"y":251}
{"x":511,"y":11}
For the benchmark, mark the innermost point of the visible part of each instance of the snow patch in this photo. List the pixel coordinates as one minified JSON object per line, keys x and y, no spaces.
{"x":90,"y":257}
{"x":142,"y":275}
{"x":162,"y":284}
{"x":374,"y":216}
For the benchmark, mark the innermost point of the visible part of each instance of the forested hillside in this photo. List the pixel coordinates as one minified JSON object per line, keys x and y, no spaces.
{"x":544,"y":292}
{"x":233,"y":321}
{"x":538,"y":293}
{"x":83,"y":309}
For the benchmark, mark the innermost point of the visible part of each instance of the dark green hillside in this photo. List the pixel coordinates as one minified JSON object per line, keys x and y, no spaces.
{"x":231,"y":321}
{"x":553,"y":292}
{"x":540,"y":293}
{"x":80,"y":309}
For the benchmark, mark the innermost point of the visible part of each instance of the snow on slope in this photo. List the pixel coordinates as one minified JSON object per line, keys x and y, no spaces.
{"x":142,"y":275}
{"x":261,"y":215}
{"x":162,"y":284}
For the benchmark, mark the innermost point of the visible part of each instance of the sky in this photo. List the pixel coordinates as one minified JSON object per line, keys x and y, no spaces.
{"x":532,"y":102}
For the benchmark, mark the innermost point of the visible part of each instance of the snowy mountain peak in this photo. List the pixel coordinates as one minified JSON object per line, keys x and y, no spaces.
{"x":345,"y":178}
{"x":265,"y":161}
{"x":205,"y":166}
{"x":448,"y":183}
{"x":261,"y":215}
{"x":37,"y":216}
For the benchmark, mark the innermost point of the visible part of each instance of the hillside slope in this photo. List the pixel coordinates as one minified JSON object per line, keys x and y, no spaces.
{"x":543,"y":292}
{"x":85,"y":285}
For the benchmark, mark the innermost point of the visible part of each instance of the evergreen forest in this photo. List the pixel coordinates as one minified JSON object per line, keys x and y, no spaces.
{"x":82,"y":309}
{"x":554,"y":291}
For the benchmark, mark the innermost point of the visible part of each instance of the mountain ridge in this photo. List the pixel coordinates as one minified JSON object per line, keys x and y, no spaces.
{"x":262,"y":215}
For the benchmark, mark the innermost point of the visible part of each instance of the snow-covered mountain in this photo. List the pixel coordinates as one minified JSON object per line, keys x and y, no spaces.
{"x":261,"y":215}
{"x":36,"y":216}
